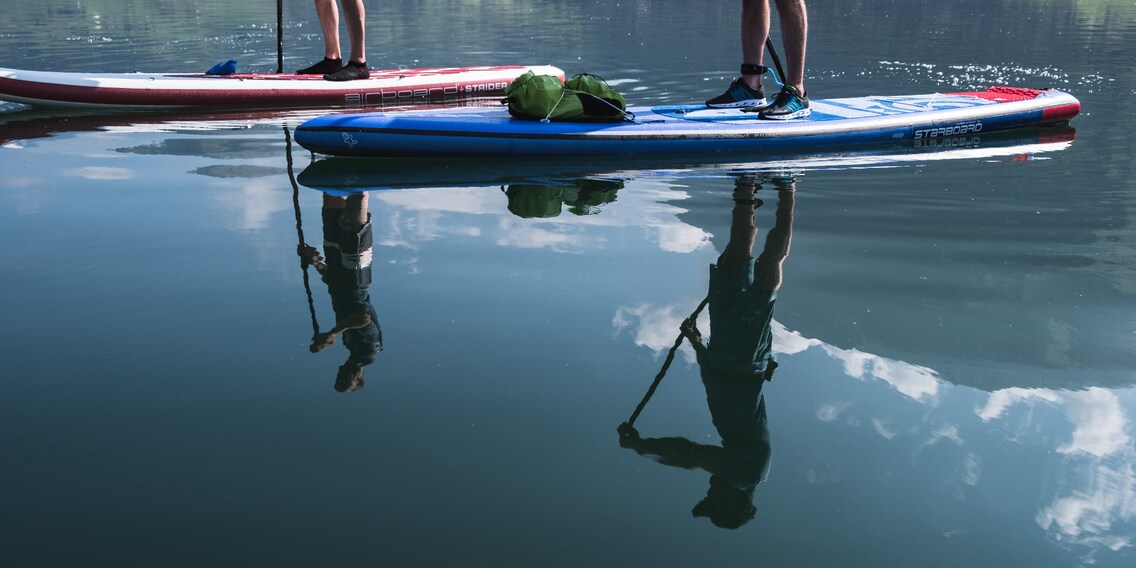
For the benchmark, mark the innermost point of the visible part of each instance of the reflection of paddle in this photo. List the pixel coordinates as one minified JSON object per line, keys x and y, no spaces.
{"x":302,"y":247}
{"x":666,"y":365}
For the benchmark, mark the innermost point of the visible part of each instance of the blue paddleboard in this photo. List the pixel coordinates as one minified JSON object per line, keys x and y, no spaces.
{"x":344,"y":176}
{"x":688,"y":129}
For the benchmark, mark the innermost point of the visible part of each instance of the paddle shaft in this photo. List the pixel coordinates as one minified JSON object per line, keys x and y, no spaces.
{"x":279,"y":36}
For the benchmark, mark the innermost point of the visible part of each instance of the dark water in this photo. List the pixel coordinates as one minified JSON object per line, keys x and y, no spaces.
{"x":954,"y":332}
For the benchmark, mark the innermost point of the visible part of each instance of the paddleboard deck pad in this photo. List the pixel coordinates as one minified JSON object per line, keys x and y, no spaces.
{"x":688,"y":129}
{"x":149,"y":90}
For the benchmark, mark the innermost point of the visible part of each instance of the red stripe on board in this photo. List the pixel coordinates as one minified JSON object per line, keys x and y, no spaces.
{"x":1004,"y":94}
{"x":375,"y":73}
{"x":444,"y":82}
{"x":1060,"y":113}
{"x":352,"y":96}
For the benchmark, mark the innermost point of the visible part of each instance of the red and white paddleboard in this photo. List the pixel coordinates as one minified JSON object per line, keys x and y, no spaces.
{"x":156,"y":90}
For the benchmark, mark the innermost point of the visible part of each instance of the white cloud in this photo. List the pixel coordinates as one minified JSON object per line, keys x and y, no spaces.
{"x":250,"y":203}
{"x":914,"y":381}
{"x":467,"y":200}
{"x":1087,"y":515}
{"x":1100,"y":425}
{"x":653,"y":328}
{"x":883,"y":429}
{"x":529,"y":235}
{"x":29,"y":194}
{"x":1100,"y":461}
{"x":972,"y":469}
{"x":98,"y":173}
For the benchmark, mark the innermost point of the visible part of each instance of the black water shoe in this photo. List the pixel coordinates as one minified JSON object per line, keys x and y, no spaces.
{"x":322,"y":68}
{"x":739,"y":95}
{"x":349,"y":72}
{"x":789,"y":104}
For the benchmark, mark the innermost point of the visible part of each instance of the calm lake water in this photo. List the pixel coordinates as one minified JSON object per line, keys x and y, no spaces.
{"x":955,"y":332}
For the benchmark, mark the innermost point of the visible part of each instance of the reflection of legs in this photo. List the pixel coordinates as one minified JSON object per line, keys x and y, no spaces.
{"x":355,"y":210}
{"x":767,"y":270}
{"x":353,"y":214}
{"x":743,"y":230}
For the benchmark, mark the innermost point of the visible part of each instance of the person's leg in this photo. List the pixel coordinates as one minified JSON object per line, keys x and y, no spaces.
{"x":755,"y":29}
{"x":356,"y":17}
{"x":328,"y":13}
{"x":793,"y":101}
{"x":794,"y":36}
{"x":356,"y":67}
{"x":746,"y":91}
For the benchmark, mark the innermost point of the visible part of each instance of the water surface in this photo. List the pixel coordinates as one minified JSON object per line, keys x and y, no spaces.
{"x":954,"y":332}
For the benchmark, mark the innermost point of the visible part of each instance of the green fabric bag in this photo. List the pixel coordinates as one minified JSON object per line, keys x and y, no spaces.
{"x":539,"y":97}
{"x":584,"y":98}
{"x":598,"y":99}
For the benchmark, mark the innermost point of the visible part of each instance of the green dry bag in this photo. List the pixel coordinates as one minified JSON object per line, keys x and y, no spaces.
{"x":539,"y":97}
{"x":598,"y":99}
{"x":583,"y":98}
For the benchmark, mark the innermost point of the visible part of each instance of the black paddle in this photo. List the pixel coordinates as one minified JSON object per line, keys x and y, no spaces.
{"x":279,"y":36}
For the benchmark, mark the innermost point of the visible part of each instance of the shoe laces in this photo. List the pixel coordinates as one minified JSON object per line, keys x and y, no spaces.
{"x":785,"y":96}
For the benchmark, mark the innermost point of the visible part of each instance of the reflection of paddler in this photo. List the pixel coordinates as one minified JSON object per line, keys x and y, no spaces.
{"x":546,"y":198}
{"x":347,"y":272}
{"x":743,"y":290}
{"x":735,"y":364}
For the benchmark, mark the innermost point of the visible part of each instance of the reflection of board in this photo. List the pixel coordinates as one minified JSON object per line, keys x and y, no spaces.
{"x":343,"y":176}
{"x":834,"y":123}
{"x":139,"y":90}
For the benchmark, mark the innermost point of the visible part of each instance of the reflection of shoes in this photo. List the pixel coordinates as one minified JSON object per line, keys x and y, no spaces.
{"x":739,"y":95}
{"x":322,"y":68}
{"x":746,"y":184}
{"x":789,"y":104}
{"x":782,"y":180}
{"x":349,"y":72}
{"x":785,"y":184}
